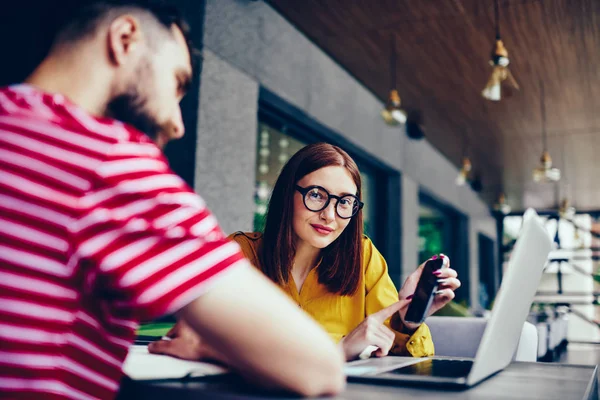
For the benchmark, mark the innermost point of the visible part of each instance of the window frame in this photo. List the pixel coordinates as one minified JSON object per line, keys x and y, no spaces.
{"x":457,"y":240}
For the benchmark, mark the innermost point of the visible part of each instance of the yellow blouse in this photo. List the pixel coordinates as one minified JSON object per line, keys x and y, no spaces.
{"x":339,"y":315}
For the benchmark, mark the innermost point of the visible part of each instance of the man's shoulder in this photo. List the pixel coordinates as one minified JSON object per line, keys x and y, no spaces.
{"x":40,"y":110}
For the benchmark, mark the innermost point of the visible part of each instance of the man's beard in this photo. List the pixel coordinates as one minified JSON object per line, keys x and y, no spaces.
{"x":131,"y":108}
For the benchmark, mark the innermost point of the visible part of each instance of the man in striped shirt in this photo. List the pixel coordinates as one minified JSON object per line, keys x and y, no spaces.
{"x":97,"y":234}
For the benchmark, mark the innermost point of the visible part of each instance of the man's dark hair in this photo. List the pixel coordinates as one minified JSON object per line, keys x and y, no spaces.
{"x":82,"y":17}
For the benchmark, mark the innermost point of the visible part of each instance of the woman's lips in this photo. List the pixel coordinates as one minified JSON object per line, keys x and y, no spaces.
{"x":323,"y":230}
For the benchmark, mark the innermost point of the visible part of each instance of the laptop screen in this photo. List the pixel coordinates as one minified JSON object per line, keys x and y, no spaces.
{"x":437,"y":367}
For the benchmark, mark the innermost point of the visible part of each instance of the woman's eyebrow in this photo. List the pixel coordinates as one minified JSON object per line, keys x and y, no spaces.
{"x":331,"y":192}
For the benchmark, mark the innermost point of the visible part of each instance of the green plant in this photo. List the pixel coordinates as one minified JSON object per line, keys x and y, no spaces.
{"x":430,"y":235}
{"x":453,"y":309}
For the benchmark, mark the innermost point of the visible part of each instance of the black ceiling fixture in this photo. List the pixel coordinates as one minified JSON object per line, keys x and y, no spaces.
{"x":414,"y":125}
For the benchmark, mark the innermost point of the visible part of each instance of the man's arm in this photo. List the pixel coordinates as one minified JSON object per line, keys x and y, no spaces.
{"x":151,"y":243}
{"x":264,"y":334}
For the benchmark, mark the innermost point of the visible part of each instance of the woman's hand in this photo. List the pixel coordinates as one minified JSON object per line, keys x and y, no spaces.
{"x":185,"y":343}
{"x":372,"y":332}
{"x":447,"y":284}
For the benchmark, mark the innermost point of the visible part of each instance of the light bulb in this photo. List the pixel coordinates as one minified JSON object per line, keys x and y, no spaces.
{"x":399,"y":116}
{"x":392,"y":114}
{"x":461,"y":179}
{"x":492,"y":93}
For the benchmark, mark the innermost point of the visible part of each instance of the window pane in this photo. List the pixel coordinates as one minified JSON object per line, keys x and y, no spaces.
{"x":431,"y":232}
{"x":368,"y":194}
{"x":274,"y":149}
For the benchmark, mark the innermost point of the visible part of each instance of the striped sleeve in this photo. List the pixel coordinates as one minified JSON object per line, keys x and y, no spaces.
{"x":147,"y":240}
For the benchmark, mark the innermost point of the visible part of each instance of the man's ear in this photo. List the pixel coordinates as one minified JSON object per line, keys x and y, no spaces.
{"x":124,"y":38}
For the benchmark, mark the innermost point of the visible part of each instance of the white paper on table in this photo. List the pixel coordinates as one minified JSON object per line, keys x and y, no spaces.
{"x":142,"y":365}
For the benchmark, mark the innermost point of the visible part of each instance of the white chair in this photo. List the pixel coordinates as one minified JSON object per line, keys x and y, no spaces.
{"x":542,"y":332}
{"x":460,"y":337}
{"x":528,"y":344}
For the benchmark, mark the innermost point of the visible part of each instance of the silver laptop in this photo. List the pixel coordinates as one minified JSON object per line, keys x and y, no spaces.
{"x":501,"y":335}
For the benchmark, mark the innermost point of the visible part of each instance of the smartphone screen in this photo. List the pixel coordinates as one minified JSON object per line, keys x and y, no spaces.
{"x":423,"y":297}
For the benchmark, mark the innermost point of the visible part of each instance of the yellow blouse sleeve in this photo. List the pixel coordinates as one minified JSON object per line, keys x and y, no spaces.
{"x":248,"y":243}
{"x":381,"y":293}
{"x":336,"y":337}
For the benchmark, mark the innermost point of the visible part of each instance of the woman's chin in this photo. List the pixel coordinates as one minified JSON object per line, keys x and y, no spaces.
{"x":320,"y":242}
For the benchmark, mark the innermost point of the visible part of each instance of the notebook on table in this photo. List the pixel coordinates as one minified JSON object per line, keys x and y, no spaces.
{"x":143,"y":365}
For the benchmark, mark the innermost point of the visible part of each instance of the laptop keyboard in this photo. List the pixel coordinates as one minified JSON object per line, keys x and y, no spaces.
{"x":443,"y":368}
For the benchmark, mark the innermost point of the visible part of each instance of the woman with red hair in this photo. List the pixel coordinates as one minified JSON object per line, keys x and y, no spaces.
{"x":313,"y":247}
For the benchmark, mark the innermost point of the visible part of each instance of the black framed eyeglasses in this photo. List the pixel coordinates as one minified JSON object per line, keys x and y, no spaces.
{"x":317,"y":198}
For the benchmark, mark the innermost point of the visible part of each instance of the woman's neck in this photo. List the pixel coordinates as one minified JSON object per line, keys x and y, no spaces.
{"x":305,"y":259}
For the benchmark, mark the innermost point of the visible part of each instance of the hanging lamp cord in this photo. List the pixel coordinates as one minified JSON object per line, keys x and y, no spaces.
{"x":543,"y":114}
{"x":393,"y":60}
{"x":497,"y":19}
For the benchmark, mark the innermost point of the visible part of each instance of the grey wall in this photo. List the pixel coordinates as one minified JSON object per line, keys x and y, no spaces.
{"x":410,"y":225}
{"x":247,"y":44}
{"x":226,"y":142}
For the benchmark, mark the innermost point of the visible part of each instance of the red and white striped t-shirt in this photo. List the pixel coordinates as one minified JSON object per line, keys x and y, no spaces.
{"x":96,"y":234}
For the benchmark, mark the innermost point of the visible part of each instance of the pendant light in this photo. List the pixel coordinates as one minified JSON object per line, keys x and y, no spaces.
{"x":499,"y":61}
{"x":545,"y":172}
{"x":501,"y":205}
{"x":565,"y":210}
{"x":393,"y":114}
{"x":463,"y":174}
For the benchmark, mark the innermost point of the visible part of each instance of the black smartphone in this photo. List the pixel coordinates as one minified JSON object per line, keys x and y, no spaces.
{"x":426,"y":288}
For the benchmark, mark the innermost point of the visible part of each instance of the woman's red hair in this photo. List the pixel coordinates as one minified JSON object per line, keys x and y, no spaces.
{"x":340,"y":266}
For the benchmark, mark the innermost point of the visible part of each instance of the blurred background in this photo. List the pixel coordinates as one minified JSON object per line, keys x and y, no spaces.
{"x":455,"y":133}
